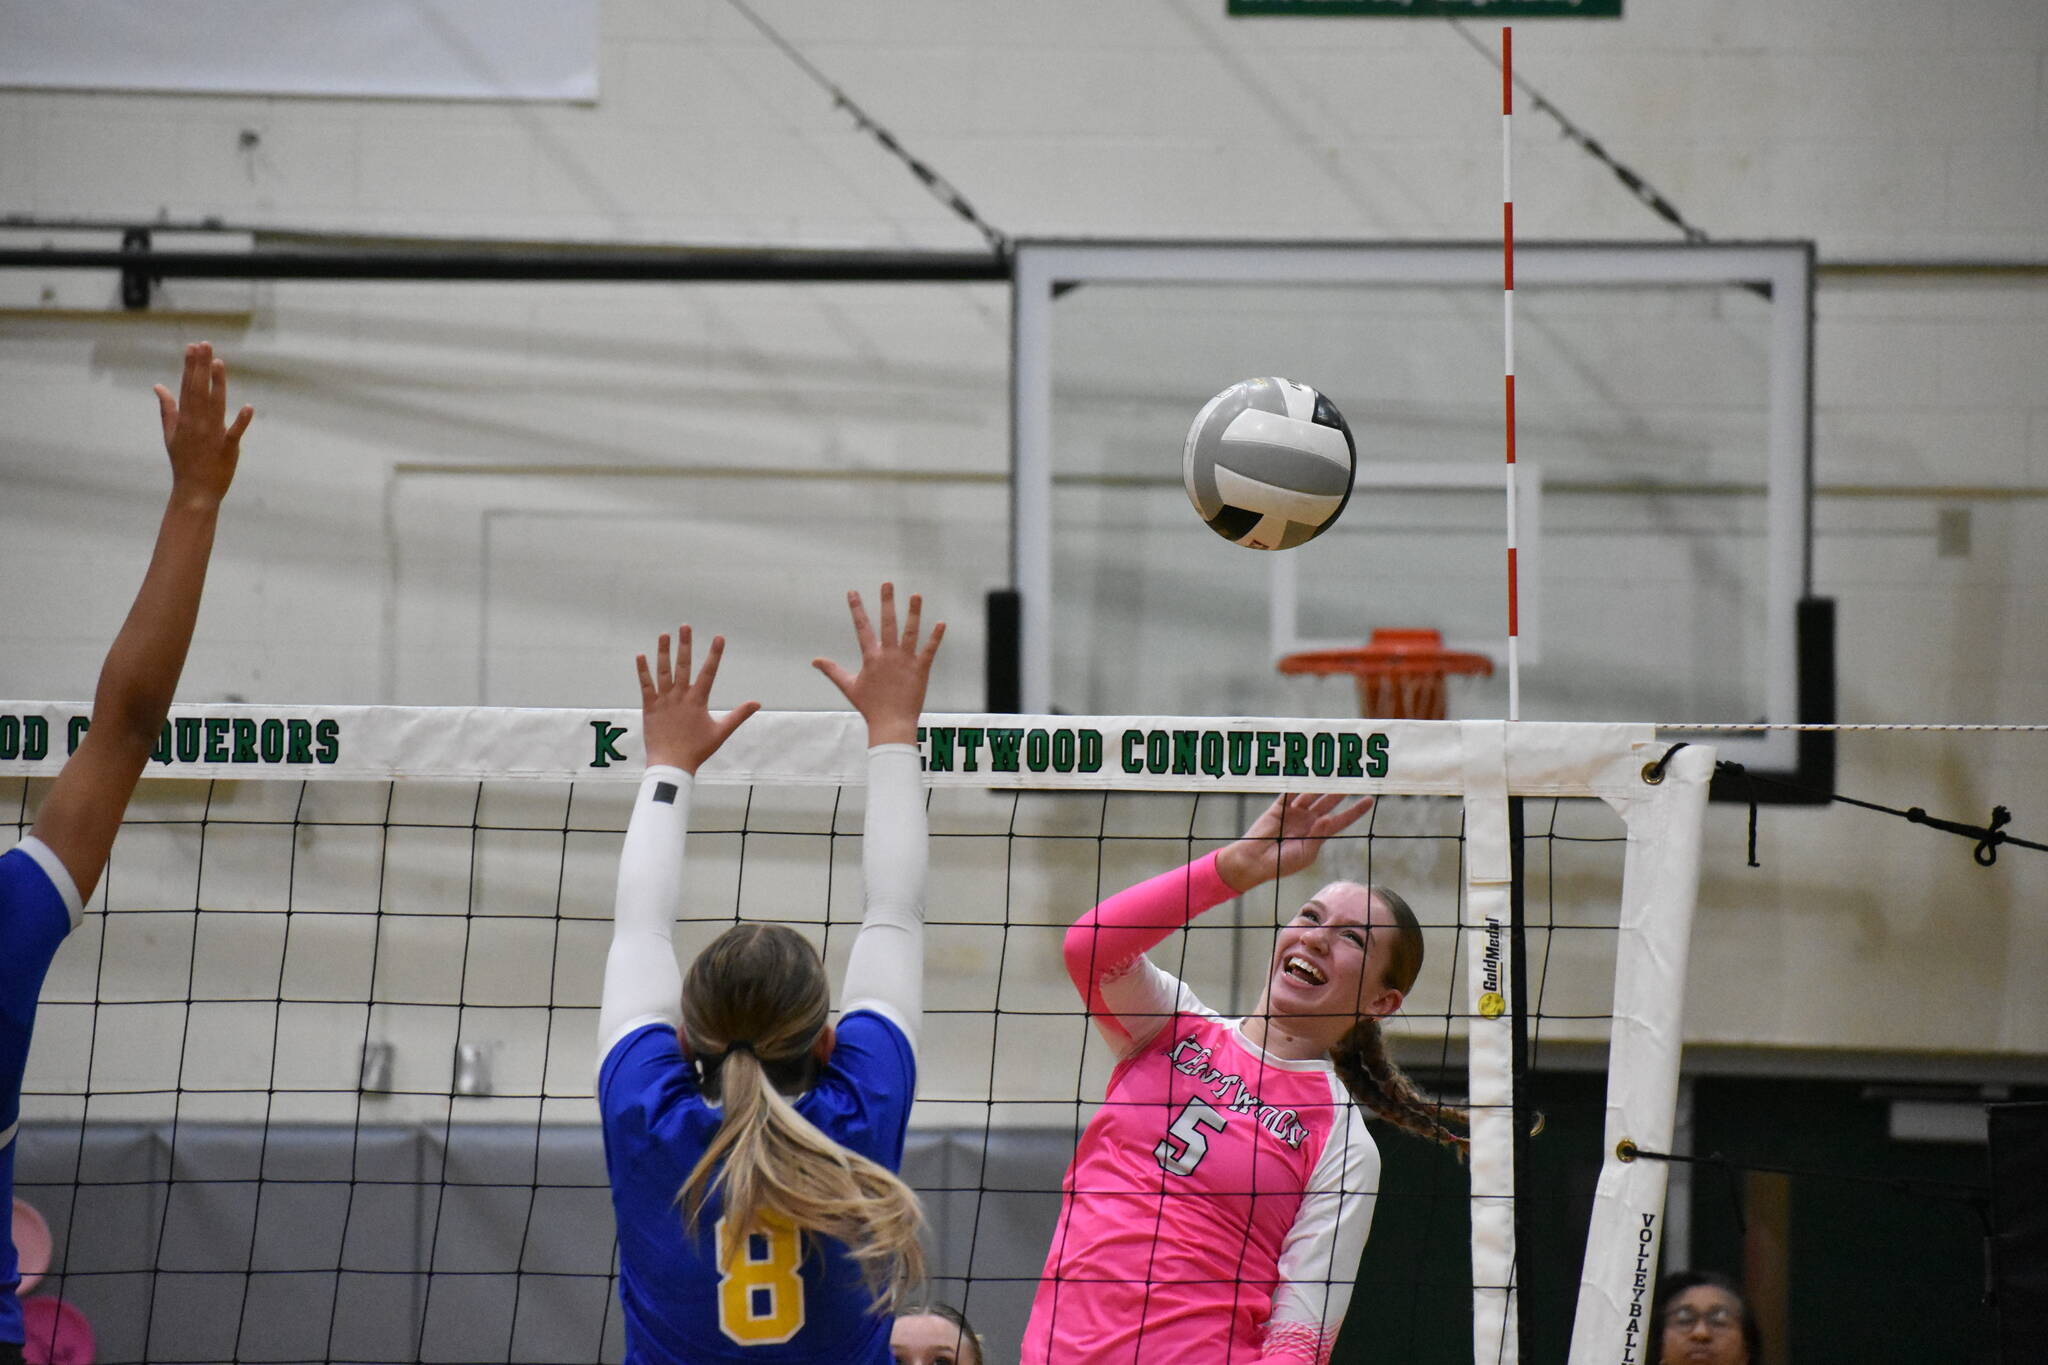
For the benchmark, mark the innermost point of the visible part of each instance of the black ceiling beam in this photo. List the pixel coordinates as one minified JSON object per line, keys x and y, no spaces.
{"x":738,"y":266}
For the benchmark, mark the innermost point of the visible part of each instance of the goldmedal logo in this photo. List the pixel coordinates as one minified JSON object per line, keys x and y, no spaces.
{"x":193,"y":739}
{"x":1492,"y":1003}
{"x":1179,"y":753}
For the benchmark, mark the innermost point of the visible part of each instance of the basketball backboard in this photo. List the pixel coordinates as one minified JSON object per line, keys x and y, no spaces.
{"x":1664,"y":390}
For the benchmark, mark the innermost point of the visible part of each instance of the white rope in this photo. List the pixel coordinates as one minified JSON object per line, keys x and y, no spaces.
{"x":1756,"y":726}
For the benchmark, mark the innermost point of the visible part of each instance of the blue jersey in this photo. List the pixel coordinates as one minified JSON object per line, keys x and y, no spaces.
{"x":38,"y":906}
{"x":788,"y":1299}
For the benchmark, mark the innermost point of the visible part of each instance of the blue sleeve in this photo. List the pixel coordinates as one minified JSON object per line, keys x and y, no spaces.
{"x":38,"y":906}
{"x":863,"y":1096}
{"x":35,"y":915}
{"x":647,"y":1093}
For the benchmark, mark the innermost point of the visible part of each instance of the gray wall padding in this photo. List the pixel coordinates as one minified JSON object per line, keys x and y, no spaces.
{"x":230,"y":1242}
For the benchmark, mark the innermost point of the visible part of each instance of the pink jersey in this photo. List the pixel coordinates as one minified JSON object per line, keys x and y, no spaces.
{"x":1218,"y":1201}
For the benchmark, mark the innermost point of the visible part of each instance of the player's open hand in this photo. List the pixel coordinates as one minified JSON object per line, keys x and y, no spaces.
{"x":1287,"y":836}
{"x":204,"y":446}
{"x":675,"y":708}
{"x":888,"y":690}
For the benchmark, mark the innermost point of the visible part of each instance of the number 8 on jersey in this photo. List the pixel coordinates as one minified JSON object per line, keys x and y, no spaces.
{"x":761,"y":1294}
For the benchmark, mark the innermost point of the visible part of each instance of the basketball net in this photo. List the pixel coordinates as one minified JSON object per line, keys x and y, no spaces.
{"x":1400,"y":674}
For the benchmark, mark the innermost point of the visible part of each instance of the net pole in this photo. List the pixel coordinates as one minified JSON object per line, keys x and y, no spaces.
{"x":1524,"y":1110}
{"x":1489,"y":1056}
{"x":1659,"y":891}
{"x":1507,"y":223}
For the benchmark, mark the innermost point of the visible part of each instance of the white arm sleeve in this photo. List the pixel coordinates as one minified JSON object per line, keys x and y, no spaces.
{"x":886,"y":970}
{"x":1319,"y":1259}
{"x":1141,"y":999}
{"x":642,"y":984}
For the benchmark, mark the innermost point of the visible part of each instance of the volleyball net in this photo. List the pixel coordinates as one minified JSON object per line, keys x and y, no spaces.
{"x":313,"y":1080}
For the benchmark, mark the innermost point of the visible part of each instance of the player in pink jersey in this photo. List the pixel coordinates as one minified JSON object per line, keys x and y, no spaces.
{"x":1218,"y":1201}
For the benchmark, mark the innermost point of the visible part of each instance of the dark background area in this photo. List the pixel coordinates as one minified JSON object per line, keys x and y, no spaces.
{"x":1866,"y":1271}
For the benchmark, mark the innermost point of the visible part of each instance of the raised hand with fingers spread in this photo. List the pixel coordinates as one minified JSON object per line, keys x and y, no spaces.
{"x":889,"y":689}
{"x":675,"y":708}
{"x":204,"y":447}
{"x":1287,"y":837}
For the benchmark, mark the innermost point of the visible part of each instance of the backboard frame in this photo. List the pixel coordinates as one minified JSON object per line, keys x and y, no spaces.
{"x":1782,"y":272}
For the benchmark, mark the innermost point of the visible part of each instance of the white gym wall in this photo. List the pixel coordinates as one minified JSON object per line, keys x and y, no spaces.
{"x":486,"y":493}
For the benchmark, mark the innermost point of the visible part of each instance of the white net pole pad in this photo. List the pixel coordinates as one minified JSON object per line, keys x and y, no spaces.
{"x":1660,"y":889}
{"x":1489,"y":887}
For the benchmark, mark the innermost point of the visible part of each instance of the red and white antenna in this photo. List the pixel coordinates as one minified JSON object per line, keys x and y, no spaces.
{"x":1507,"y":223}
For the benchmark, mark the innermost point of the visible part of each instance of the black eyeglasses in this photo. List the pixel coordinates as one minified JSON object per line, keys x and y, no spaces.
{"x":1720,"y":1317}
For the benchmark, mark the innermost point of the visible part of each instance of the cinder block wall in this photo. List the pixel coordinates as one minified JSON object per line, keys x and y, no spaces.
{"x":462,"y":494}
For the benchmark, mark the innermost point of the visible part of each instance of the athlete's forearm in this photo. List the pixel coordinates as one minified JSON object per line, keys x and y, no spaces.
{"x":1108,"y":939}
{"x":141,"y":671}
{"x":641,"y":981}
{"x":1245,"y":864}
{"x":885,"y":971}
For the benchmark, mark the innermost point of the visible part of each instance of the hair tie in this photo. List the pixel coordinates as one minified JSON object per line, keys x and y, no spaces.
{"x":742,"y":1046}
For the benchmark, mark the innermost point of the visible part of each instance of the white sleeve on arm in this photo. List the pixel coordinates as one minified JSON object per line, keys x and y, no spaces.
{"x":1319,"y":1258}
{"x":642,"y":984}
{"x":1141,"y":998}
{"x":886,"y":970}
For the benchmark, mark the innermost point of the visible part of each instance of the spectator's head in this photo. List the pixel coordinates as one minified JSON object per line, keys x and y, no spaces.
{"x":1702,"y":1319}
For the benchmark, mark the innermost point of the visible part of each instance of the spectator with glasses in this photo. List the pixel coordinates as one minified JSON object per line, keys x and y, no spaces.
{"x":1702,"y":1319}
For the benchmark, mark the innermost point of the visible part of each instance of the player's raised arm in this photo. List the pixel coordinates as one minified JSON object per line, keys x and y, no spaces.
{"x":641,"y":982}
{"x":79,"y":818}
{"x":885,"y":972}
{"x":46,"y":881}
{"x":1129,"y":997}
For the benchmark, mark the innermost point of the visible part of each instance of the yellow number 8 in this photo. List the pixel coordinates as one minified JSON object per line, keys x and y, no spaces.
{"x":761,"y":1295}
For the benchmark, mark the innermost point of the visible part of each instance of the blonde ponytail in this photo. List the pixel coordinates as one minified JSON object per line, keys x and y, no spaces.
{"x":754,"y":1005}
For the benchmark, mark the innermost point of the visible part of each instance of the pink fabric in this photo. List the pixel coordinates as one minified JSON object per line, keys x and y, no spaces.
{"x":1107,"y":940}
{"x":1151,"y":1263}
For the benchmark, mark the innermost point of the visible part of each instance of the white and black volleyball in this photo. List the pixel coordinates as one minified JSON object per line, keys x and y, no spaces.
{"x":1268,"y":464}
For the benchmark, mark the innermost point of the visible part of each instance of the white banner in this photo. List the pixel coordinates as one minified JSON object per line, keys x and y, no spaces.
{"x":418,"y":49}
{"x":1127,"y":753}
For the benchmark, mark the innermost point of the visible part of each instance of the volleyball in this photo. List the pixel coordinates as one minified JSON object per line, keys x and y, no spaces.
{"x":1268,"y":464}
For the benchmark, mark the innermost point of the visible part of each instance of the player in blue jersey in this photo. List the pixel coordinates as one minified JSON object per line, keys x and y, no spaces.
{"x":751,"y":1142}
{"x":47,"y":878}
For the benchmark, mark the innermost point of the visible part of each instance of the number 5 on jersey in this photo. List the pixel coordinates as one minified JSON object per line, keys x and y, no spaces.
{"x":761,"y":1293}
{"x":1195,"y":1115}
